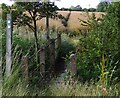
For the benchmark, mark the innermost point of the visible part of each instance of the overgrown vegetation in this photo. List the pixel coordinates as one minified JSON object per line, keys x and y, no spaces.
{"x":99,"y":50}
{"x":98,"y":60}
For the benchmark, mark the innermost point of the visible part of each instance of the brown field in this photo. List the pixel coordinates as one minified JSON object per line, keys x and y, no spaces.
{"x":73,"y":22}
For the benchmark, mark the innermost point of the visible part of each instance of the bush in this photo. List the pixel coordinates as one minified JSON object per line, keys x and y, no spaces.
{"x":101,"y":47}
{"x":67,"y":46}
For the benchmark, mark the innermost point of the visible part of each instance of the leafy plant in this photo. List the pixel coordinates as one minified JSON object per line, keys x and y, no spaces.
{"x":102,"y":39}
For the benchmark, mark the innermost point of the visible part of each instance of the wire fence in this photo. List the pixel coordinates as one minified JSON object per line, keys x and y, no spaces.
{"x":46,"y":53}
{"x":57,"y":42}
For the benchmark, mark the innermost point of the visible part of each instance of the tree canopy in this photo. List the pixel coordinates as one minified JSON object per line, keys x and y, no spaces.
{"x":102,"y":6}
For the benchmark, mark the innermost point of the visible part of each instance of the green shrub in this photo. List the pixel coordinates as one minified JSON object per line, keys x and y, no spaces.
{"x":67,"y":46}
{"x":102,"y":40}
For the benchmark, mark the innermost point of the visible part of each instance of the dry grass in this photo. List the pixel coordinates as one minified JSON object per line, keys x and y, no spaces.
{"x":73,"y":23}
{"x":80,"y":89}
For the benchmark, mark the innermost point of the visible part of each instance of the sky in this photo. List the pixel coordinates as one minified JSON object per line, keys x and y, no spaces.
{"x":68,"y":3}
{"x":82,"y":3}
{"x":8,"y":2}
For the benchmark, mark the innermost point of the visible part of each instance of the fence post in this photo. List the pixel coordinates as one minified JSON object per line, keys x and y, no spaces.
{"x":58,"y":44}
{"x":8,"y":45}
{"x":85,"y":39}
{"x":47,"y":27}
{"x":73,"y":64}
{"x":52,"y":52}
{"x":25,"y":67}
{"x":42,"y":61}
{"x":58,"y":41}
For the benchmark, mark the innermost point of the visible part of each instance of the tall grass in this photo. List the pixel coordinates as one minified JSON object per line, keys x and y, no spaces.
{"x":76,"y":88}
{"x":16,"y":86}
{"x":0,"y":53}
{"x":55,"y":88}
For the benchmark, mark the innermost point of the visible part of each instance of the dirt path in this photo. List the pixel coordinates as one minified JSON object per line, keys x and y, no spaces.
{"x":59,"y":66}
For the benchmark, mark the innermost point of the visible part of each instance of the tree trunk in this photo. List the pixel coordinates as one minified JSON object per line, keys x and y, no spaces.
{"x":36,"y":40}
{"x":47,"y":27}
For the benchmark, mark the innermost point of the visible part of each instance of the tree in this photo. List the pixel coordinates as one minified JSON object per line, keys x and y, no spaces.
{"x":64,"y":9}
{"x":65,"y":20}
{"x":91,"y":9}
{"x":76,"y":8}
{"x":5,"y":10}
{"x":102,"y":6}
{"x":85,"y":10}
{"x":48,"y":10}
{"x":28,"y":13}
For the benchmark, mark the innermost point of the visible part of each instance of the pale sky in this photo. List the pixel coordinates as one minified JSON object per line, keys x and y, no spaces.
{"x":8,"y":2}
{"x":82,"y":3}
{"x":68,"y":3}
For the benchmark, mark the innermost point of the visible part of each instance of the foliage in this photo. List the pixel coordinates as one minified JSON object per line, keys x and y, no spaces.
{"x":66,"y":46}
{"x":28,"y":13}
{"x":72,"y":8}
{"x":102,"y":41}
{"x":91,"y":23}
{"x":20,"y":47}
{"x":112,"y":42}
{"x":102,"y":6}
{"x":91,"y":10}
{"x":4,"y":16}
{"x":76,"y":8}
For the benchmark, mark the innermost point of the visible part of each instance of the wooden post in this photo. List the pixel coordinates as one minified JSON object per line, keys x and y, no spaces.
{"x":52,"y":52}
{"x":58,"y":44}
{"x":47,"y":27}
{"x":1,"y":57}
{"x":25,"y":67}
{"x":42,"y":61}
{"x":73,"y":64}
{"x":85,"y":39}
{"x":8,"y":45}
